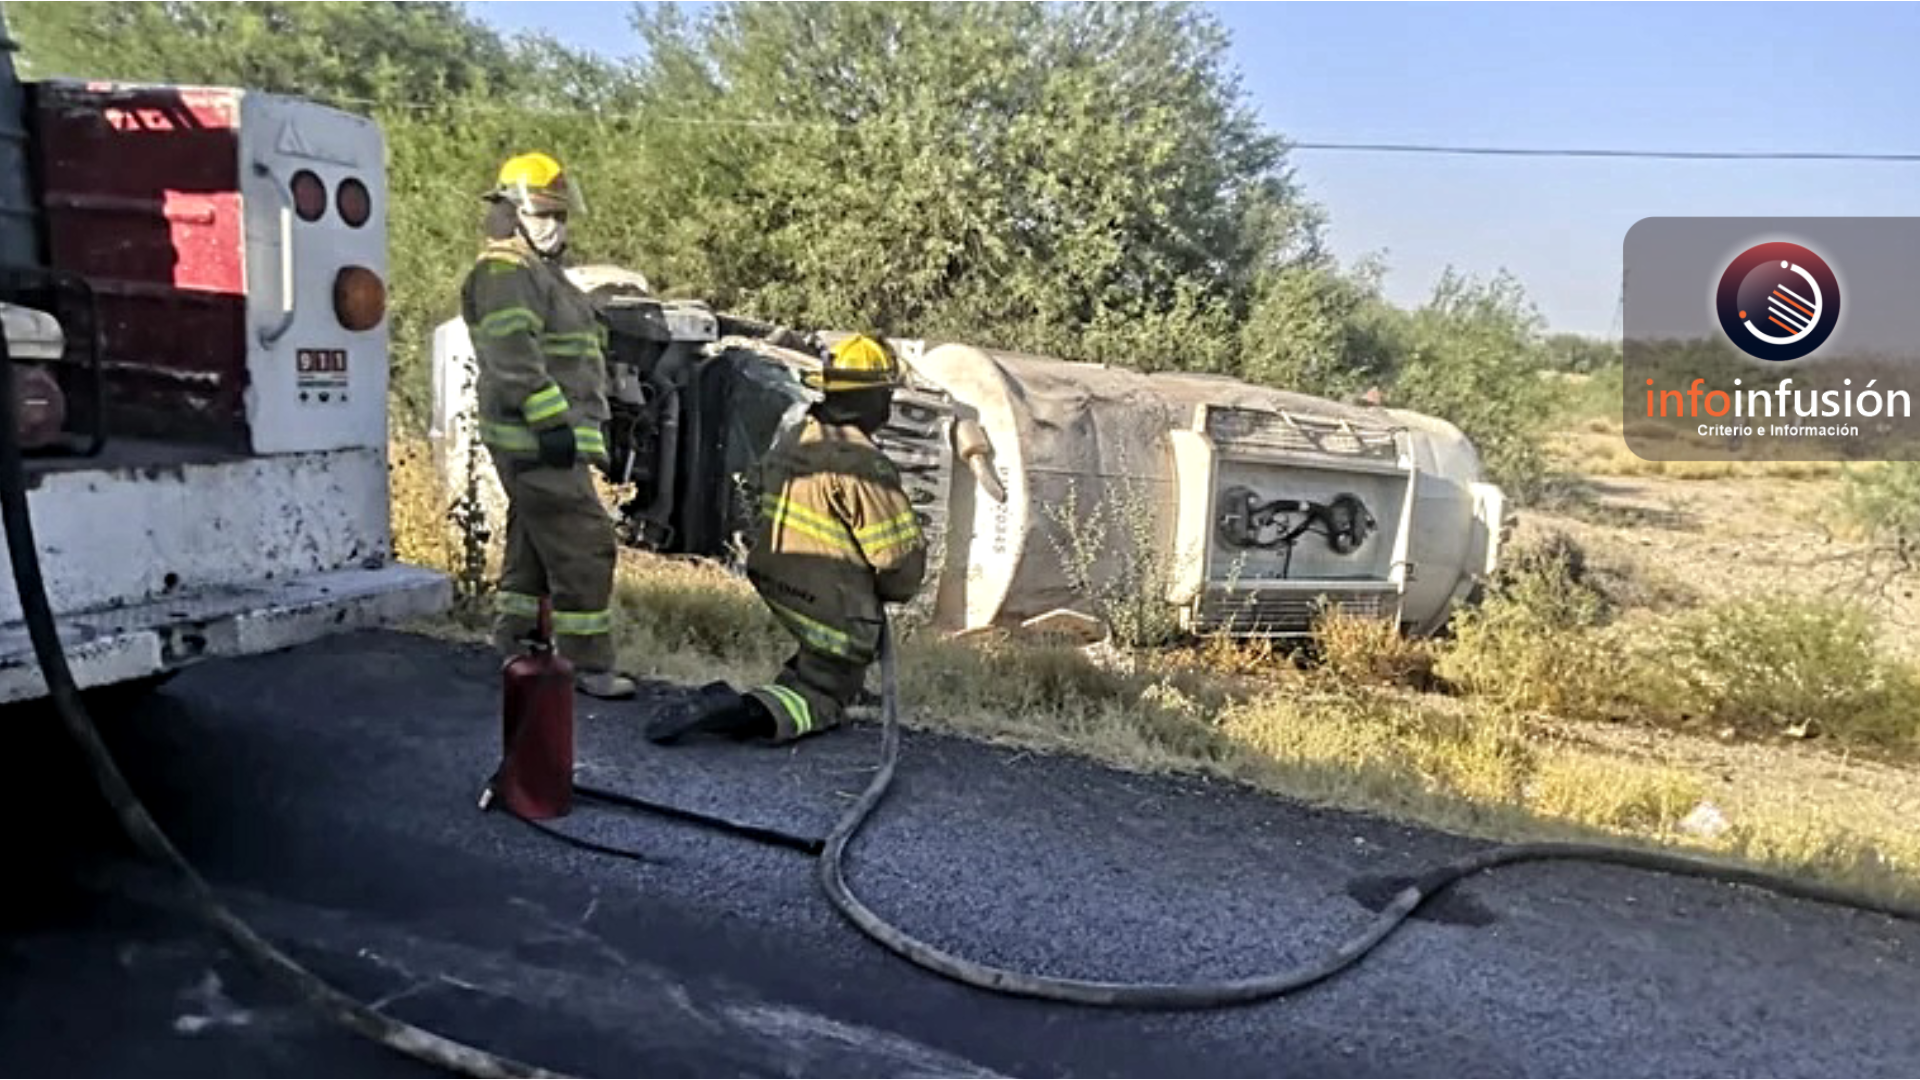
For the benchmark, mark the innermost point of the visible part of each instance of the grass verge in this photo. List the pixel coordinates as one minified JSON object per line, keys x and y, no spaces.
{"x":1588,"y":440}
{"x":1555,"y":712}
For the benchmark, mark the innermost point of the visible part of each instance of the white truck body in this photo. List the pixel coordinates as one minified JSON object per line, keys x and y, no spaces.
{"x":166,"y":549}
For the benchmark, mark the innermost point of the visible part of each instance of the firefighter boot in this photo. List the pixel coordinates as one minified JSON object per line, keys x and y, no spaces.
{"x":718,"y":710}
{"x":605,"y":684}
{"x":864,"y":706}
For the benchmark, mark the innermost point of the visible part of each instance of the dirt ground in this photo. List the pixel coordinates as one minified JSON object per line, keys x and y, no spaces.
{"x":1688,"y":533}
{"x":1671,"y":541}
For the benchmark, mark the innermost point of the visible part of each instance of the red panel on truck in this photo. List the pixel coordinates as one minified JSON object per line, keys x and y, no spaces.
{"x":141,"y":190}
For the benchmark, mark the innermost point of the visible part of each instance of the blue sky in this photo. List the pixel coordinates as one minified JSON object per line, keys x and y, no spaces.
{"x":1678,"y":76}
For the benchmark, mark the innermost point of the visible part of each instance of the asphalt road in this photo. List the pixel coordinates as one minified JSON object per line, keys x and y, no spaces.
{"x":329,"y":794}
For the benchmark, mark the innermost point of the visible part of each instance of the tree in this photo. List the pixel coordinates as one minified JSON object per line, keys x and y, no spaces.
{"x":1473,"y":356}
{"x":1581,"y":354}
{"x":1315,"y":329}
{"x":1082,"y":180}
{"x":386,"y":52}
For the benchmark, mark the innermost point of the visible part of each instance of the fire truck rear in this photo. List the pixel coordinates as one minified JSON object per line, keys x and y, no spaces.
{"x":195,"y":305}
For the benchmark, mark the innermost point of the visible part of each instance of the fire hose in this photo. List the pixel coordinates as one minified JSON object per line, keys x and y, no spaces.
{"x":461,"y":1059}
{"x":831,"y":867}
{"x":140,"y":827}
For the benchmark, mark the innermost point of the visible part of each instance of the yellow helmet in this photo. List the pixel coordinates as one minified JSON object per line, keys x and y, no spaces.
{"x":537,"y":184}
{"x":858,"y":363}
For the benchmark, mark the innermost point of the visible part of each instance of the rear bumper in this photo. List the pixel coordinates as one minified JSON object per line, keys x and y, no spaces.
{"x":123,"y":644}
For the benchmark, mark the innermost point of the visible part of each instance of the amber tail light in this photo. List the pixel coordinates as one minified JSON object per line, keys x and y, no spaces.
{"x":359,"y":298}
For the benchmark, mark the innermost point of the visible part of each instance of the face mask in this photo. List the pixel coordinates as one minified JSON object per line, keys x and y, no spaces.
{"x":547,"y":235}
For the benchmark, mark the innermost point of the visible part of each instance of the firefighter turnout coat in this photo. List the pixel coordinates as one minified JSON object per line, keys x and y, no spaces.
{"x":542,"y":353}
{"x":836,"y":540}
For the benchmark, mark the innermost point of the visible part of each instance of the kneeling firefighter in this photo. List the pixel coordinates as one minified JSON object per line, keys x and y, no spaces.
{"x":542,"y":403}
{"x":836,"y":540}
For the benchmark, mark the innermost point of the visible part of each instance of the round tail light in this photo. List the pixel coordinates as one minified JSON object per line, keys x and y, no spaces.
{"x":356,"y":205}
{"x":309,"y":195}
{"x":359,"y":298}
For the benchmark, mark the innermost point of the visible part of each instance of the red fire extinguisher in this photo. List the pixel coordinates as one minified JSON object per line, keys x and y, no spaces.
{"x":535,"y":778}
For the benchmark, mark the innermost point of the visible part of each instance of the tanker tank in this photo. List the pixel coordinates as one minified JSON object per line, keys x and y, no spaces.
{"x":1246,"y":507}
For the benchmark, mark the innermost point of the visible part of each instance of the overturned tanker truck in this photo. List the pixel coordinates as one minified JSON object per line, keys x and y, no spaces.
{"x":1043,"y":485}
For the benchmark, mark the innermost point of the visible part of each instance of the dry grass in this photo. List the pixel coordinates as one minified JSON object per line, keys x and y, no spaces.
{"x":1563,"y":709}
{"x":1596,"y":446}
{"x":1590,"y":441}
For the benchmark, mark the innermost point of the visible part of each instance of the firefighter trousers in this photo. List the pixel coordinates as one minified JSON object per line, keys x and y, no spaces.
{"x":811,"y":694}
{"x":560,"y":543}
{"x":817,"y":685}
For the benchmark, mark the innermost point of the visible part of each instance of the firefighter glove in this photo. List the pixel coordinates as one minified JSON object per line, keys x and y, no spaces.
{"x":556,"y":447}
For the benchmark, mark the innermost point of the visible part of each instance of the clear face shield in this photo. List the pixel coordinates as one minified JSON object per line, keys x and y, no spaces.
{"x":544,"y":214}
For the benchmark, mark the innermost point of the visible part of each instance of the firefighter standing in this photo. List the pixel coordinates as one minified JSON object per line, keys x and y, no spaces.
{"x":542,"y":403}
{"x":836,"y":540}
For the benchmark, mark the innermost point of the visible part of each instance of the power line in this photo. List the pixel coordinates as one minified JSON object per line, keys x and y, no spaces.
{"x":1687,"y":155}
{"x":777,"y":123}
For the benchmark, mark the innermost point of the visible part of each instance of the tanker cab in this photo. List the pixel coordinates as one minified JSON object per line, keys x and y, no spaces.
{"x":314,"y":189}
